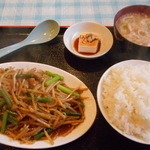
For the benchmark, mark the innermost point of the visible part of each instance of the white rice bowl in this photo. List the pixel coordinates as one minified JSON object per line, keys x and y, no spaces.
{"x":124,"y":99}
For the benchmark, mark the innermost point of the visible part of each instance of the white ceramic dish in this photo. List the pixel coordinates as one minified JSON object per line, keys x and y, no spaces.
{"x":99,"y":96}
{"x":71,"y":81}
{"x":74,"y":31}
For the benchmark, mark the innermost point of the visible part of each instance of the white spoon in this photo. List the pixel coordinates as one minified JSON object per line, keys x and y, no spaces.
{"x":44,"y":32}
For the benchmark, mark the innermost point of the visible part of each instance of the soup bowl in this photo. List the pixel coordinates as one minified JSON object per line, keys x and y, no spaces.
{"x":130,"y":10}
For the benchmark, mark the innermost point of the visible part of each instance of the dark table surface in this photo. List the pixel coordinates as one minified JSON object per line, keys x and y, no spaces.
{"x":101,"y":135}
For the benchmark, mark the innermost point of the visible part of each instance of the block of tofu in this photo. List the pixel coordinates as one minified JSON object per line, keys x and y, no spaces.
{"x":88,"y":43}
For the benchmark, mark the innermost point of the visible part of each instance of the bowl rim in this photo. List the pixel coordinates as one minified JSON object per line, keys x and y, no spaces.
{"x":87,"y":56}
{"x":125,"y":8}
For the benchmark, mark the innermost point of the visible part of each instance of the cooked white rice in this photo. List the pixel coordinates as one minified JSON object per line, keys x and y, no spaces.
{"x":126,"y":99}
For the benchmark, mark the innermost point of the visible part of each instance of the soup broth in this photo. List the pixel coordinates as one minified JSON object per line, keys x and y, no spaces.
{"x":135,"y":27}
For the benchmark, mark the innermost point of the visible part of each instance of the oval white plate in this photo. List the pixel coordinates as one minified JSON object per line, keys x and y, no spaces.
{"x":99,"y":94}
{"x":71,"y":81}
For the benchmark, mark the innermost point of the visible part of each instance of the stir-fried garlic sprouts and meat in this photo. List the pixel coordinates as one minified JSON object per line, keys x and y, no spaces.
{"x":38,"y":105}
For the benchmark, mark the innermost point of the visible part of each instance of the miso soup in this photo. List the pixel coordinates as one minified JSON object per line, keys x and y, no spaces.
{"x":135,"y":27}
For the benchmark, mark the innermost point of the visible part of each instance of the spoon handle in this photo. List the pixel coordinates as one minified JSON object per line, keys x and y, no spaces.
{"x":11,"y":48}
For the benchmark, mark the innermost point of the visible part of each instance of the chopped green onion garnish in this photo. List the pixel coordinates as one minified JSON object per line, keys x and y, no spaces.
{"x":13,"y":121}
{"x":24,"y":75}
{"x":54,"y":79}
{"x":43,"y":99}
{"x":4,"y":121}
{"x":41,"y":134}
{"x":67,"y":91}
{"x":72,"y":113}
{"x":6,"y":97}
{"x":53,"y":74}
